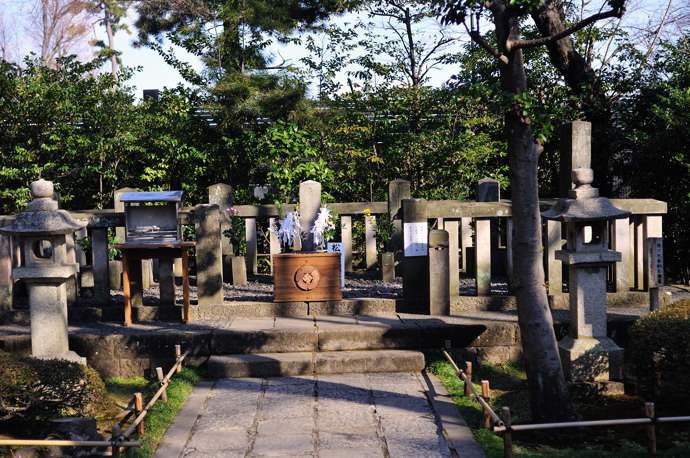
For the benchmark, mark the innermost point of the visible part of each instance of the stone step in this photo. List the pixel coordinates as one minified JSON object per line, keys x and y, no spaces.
{"x":311,"y":363}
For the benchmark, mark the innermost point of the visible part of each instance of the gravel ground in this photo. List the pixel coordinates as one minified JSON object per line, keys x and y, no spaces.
{"x":357,"y":284}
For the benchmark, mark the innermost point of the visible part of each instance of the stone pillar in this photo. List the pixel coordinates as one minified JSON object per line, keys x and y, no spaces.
{"x":466,"y":232}
{"x":120,"y":207}
{"x":398,"y":190}
{"x":221,"y":194}
{"x":554,"y":267}
{"x":100,"y":268}
{"x":6,"y":282}
{"x":309,"y":204}
{"x":576,"y":151}
{"x":621,"y":243}
{"x":369,"y":242}
{"x":439,"y":273}
{"x":166,"y":281}
{"x":346,"y":237}
{"x":72,"y":285}
{"x":251,"y":261}
{"x":415,"y":251}
{"x":510,"y":260}
{"x":273,"y":243}
{"x":235,"y":270}
{"x":209,"y":259}
{"x":453,"y":229}
{"x":652,"y":229}
{"x":488,"y":190}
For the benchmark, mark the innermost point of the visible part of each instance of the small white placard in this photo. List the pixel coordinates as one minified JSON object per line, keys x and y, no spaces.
{"x":416,"y":239}
{"x":655,"y":254}
{"x":337,"y":247}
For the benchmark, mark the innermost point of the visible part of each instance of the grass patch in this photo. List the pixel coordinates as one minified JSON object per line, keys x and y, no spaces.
{"x":162,"y":414}
{"x":509,"y":388}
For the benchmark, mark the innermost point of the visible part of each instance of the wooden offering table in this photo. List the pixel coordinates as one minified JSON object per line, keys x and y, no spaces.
{"x":137,"y":252}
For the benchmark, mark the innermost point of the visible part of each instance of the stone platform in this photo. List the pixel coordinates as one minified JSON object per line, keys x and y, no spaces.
{"x":318,"y":341}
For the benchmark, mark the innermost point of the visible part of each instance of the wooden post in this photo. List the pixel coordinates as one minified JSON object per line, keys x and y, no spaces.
{"x":485,"y":395}
{"x":651,"y":428}
{"x":161,"y":380}
{"x":116,"y":447}
{"x":468,"y":373}
{"x":138,"y":407}
{"x":178,"y":355}
{"x":507,"y":434}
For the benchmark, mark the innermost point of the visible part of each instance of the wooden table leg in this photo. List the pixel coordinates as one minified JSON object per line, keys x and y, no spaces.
{"x":126,"y":289}
{"x":185,"y":285}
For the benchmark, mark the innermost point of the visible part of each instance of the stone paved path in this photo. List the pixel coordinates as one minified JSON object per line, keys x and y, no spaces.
{"x":345,"y":415}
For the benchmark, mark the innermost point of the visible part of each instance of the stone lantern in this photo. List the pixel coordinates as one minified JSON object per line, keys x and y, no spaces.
{"x":587,"y":354}
{"x":43,"y":231}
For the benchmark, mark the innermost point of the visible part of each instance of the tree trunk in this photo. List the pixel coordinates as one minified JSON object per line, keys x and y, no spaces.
{"x":107,"y":19}
{"x":549,"y":396}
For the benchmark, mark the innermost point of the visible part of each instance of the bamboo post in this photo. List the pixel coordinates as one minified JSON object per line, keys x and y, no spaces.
{"x":468,"y":373}
{"x":116,"y":441}
{"x":178,"y":354}
{"x":485,"y":395}
{"x":651,"y":428}
{"x":507,"y":434}
{"x":163,"y":383}
{"x":138,"y":408}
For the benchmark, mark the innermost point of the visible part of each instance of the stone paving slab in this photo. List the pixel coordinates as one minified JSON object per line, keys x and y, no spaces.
{"x":342,"y":415}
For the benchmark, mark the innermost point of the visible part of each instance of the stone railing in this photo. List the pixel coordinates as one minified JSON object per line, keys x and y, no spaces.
{"x":479,"y":233}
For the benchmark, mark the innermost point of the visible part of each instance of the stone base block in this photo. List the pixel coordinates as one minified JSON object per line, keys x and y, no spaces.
{"x":67,"y":356}
{"x":591,"y":359}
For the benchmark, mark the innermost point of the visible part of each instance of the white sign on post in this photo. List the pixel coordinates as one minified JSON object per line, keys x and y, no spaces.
{"x":337,"y":247}
{"x":416,"y":239}
{"x":655,"y":256}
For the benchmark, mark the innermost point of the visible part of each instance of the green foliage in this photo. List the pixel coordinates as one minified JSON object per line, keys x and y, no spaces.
{"x":237,"y":232}
{"x":655,"y":139}
{"x":660,"y":352}
{"x":86,"y":244}
{"x":36,"y":390}
{"x":383,"y":230}
{"x":292,"y":159}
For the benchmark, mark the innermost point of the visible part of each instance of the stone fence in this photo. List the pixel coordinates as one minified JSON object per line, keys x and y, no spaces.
{"x":479,"y":234}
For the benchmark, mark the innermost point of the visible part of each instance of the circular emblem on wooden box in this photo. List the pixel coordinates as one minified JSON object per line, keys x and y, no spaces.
{"x":307,"y":278}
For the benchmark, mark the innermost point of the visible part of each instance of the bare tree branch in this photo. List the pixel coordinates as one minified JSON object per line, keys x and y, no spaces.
{"x":524,"y":44}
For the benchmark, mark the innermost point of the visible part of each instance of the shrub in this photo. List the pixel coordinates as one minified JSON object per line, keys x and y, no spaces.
{"x":659,"y":352}
{"x":36,"y":390}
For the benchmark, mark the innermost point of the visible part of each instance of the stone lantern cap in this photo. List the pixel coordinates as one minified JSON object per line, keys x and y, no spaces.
{"x":583,"y":203}
{"x":43,"y":217}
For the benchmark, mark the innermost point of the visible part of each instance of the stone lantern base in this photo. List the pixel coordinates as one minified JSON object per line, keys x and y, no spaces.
{"x":591,"y":359}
